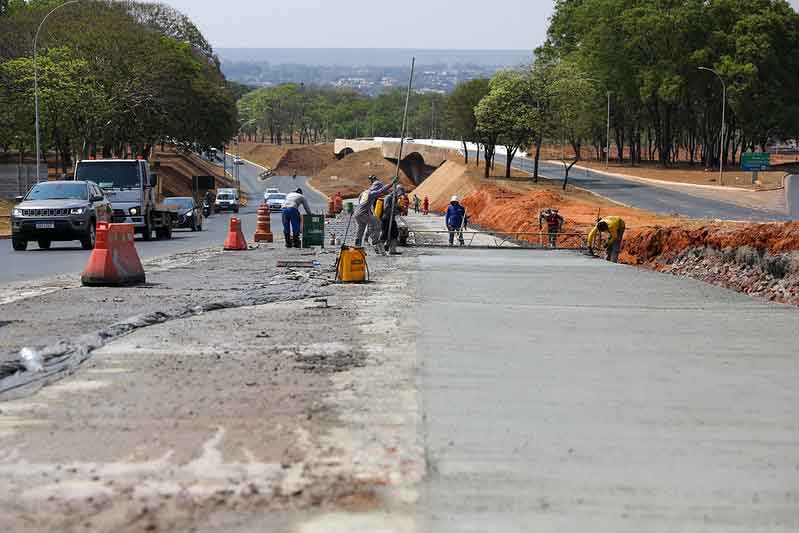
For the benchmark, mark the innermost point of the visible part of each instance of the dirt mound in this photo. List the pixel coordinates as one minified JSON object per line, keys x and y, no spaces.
{"x":661,"y":245}
{"x":175,"y":171}
{"x":450,"y":179}
{"x":287,"y":159}
{"x":349,"y":175}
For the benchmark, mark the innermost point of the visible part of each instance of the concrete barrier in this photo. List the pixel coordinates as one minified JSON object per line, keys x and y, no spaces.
{"x":792,"y":196}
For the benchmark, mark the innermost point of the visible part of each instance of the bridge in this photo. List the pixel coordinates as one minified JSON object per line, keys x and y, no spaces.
{"x":418,"y":160}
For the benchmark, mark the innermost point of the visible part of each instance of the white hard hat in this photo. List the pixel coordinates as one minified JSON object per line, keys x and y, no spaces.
{"x":455,"y":198}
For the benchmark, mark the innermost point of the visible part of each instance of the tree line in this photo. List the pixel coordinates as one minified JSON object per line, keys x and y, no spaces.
{"x":308,"y":114}
{"x":115,"y":78}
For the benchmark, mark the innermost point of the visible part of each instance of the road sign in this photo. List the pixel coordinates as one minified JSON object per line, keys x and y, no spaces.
{"x":755,"y":161}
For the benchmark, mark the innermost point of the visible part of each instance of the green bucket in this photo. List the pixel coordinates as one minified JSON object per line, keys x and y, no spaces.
{"x":313,"y":231}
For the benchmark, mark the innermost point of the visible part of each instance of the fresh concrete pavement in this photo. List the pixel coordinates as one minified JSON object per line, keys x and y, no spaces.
{"x":564,"y":393}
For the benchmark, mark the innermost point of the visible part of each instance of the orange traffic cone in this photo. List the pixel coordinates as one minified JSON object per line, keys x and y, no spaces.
{"x":114,"y":260}
{"x":263,"y":231}
{"x":235,"y":238}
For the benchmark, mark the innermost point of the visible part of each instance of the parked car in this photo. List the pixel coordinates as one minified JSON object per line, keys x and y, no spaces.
{"x":189,"y":215}
{"x":59,"y":211}
{"x":275,"y":201}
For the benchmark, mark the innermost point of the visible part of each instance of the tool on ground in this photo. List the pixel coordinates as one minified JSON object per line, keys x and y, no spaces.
{"x":288,"y":263}
{"x":114,"y":260}
{"x":263,"y":230}
{"x":402,"y":144}
{"x":351,"y":265}
{"x":235,"y":238}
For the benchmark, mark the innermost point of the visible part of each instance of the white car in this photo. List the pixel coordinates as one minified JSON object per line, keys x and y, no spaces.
{"x":275,"y":201}
{"x":238,"y":161}
{"x":269,"y":191}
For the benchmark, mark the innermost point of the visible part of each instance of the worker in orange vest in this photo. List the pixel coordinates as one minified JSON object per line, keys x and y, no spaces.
{"x":425,"y":205}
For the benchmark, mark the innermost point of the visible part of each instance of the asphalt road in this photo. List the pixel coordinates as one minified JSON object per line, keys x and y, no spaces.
{"x":645,"y":196}
{"x":69,"y":258}
{"x":563,"y":393}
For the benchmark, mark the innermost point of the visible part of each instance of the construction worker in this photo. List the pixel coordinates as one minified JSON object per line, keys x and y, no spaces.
{"x":389,"y":235}
{"x":554,"y":222}
{"x":455,"y":220}
{"x":403,"y":205}
{"x":291,"y":217}
{"x":614,"y":227}
{"x":425,"y":205}
{"x":416,"y":204}
{"x":365,"y":213}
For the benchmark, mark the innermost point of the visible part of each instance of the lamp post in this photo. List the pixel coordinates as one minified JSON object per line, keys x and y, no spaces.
{"x":36,"y":82}
{"x":607,"y":132}
{"x":723,"y":110}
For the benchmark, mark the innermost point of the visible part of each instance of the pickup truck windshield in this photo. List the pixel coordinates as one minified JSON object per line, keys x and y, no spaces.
{"x":224,"y":196}
{"x":110,"y":175}
{"x":58,"y":191}
{"x":182,"y":203}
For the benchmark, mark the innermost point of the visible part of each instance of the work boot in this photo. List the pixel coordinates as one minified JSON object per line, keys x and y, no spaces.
{"x":392,"y":248}
{"x":288,"y":241}
{"x":380,"y":249}
{"x":297,"y":242}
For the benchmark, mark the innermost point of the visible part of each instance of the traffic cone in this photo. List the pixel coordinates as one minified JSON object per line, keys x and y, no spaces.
{"x":235,"y":238}
{"x":263,"y":231}
{"x":114,"y":260}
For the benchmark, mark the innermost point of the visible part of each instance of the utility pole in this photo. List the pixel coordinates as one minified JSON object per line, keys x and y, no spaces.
{"x":36,"y":85}
{"x":723,"y":110}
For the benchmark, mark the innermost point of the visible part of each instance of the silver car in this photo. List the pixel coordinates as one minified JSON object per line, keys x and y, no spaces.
{"x":59,"y":211}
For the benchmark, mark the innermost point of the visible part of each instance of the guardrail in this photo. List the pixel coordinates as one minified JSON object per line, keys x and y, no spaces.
{"x":538,"y":240}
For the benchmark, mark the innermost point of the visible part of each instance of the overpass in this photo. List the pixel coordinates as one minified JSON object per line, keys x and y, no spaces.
{"x":419,"y":159}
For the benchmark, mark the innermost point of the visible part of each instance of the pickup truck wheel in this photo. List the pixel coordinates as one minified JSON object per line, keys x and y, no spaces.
{"x":44,"y":244}
{"x":87,"y":243}
{"x":19,"y":245}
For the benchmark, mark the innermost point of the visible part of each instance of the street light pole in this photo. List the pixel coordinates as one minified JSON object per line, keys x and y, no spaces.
{"x":723,"y":125}
{"x":36,"y":83}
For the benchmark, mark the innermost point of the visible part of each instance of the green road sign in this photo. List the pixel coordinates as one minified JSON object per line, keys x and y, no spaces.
{"x":755,"y":161}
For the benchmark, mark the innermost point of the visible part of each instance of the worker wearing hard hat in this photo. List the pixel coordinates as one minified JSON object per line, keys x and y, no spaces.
{"x":365,"y":213}
{"x":614,"y":227}
{"x":455,"y":220}
{"x":554,"y":222}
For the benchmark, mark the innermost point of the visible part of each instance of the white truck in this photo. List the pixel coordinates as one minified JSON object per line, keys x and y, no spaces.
{"x":130,"y":187}
{"x":227,"y":199}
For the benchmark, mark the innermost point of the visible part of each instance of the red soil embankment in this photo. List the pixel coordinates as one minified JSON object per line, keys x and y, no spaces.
{"x":288,"y":159}
{"x":350,"y":175}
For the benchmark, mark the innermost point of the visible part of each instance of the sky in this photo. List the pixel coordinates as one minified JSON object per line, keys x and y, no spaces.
{"x":447,"y":24}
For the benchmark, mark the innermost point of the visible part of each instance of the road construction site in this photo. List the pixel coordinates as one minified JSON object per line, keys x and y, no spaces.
{"x":461,"y":389}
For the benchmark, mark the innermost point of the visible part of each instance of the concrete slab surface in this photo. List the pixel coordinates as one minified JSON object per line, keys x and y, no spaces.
{"x":564,"y":393}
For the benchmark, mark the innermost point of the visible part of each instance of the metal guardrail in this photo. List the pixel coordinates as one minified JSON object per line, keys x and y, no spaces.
{"x":538,"y":240}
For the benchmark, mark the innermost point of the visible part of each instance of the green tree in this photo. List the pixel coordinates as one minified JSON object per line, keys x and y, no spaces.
{"x":460,"y":111}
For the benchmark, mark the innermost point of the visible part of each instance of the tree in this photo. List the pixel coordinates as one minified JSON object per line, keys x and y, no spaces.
{"x":508,"y":113}
{"x":460,"y":111}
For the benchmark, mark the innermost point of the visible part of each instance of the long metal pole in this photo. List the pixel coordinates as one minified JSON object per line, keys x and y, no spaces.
{"x":36,"y":84}
{"x":607,"y":148}
{"x":402,"y":144}
{"x":723,"y":128}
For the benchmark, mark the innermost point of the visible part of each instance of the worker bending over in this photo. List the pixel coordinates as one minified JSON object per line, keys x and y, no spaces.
{"x":614,"y":227}
{"x":365,"y":213}
{"x":389,"y":236}
{"x":291,"y":217}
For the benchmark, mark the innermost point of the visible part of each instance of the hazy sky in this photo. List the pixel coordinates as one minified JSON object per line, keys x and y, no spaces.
{"x":464,"y":24}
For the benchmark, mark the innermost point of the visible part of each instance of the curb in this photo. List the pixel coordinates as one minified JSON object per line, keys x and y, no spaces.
{"x":656,"y":181}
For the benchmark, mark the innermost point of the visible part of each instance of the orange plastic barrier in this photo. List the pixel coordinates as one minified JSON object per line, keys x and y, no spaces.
{"x":263,"y":230}
{"x":235,"y":238}
{"x":114,"y":260}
